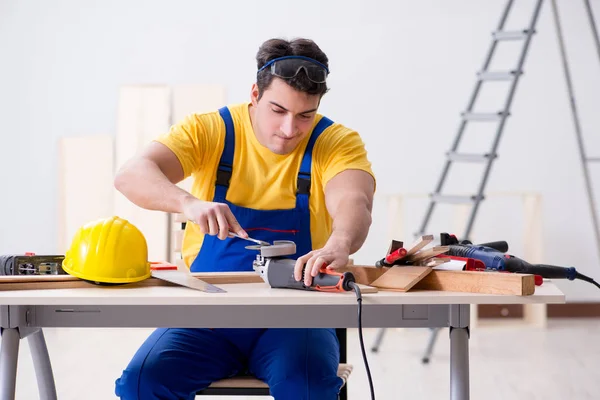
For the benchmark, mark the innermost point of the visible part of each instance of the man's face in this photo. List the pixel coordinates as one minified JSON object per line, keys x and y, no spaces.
{"x":283,"y":116}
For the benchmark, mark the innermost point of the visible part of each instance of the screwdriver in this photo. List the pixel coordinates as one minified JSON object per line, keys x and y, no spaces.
{"x":233,"y":234}
{"x":262,"y":243}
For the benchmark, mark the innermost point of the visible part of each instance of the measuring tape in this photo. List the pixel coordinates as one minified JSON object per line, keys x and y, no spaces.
{"x":31,"y":264}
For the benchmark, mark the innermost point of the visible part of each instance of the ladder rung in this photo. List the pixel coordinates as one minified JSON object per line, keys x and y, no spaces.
{"x":471,"y":116}
{"x":511,"y":35}
{"x":497,"y":76}
{"x":441,"y":198}
{"x":454,"y":156}
{"x":593,"y":159}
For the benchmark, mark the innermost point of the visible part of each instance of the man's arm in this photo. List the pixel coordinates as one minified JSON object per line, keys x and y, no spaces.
{"x":349,"y":200}
{"x":149,"y":179}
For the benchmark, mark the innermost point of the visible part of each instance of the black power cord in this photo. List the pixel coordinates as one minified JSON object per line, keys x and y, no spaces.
{"x":356,"y":289}
{"x":581,"y":276}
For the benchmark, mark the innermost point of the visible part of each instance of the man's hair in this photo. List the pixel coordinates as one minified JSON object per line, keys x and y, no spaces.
{"x":275,"y":48}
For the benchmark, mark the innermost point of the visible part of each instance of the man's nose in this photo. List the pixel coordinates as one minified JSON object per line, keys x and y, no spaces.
{"x":287,"y":127}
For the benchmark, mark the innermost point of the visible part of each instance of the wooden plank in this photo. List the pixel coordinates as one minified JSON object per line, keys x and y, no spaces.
{"x":365,"y":274}
{"x":179,"y":218}
{"x":37,"y":282}
{"x":425,"y":254}
{"x":177,"y":240}
{"x":394,"y":245}
{"x":211,"y":277}
{"x":401,"y":279}
{"x":196,"y":98}
{"x":389,"y":278}
{"x":344,"y":371}
{"x":419,"y":244}
{"x":85,"y":176}
{"x":479,"y":282}
{"x":435,"y":261}
{"x":143,"y":114}
{"x":367,"y":289}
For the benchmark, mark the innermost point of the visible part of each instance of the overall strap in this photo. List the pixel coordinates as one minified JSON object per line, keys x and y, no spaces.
{"x":226,"y":162}
{"x":303,"y":191}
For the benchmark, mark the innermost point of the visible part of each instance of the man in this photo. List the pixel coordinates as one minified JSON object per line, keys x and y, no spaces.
{"x":273,"y":169}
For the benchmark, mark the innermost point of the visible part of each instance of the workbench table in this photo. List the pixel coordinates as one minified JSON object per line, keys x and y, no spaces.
{"x":24,"y":313}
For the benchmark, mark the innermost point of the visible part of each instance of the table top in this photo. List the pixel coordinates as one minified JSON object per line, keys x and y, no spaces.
{"x":259,"y":294}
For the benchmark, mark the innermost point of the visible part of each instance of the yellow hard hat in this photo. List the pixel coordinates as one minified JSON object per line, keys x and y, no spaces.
{"x":108,"y":250}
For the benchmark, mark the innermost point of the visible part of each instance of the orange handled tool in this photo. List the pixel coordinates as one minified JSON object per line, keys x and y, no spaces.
{"x":328,"y":280}
{"x":391,"y":258}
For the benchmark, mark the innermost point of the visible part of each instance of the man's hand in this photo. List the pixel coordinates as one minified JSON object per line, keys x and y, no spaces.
{"x":334,"y":255}
{"x":212,"y":218}
{"x":349,"y":200}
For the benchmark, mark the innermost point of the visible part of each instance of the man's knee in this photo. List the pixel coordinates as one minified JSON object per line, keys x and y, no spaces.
{"x":157,"y":378}
{"x":307,"y":374}
{"x":299,"y":363}
{"x":175,"y":363}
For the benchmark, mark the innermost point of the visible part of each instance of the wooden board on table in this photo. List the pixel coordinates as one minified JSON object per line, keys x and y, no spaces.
{"x":419,"y":244}
{"x":85,"y":176}
{"x":32,"y":282}
{"x":479,"y":282}
{"x":389,"y":278}
{"x":144,"y":113}
{"x":401,"y":279}
{"x":38,"y":282}
{"x":425,"y":254}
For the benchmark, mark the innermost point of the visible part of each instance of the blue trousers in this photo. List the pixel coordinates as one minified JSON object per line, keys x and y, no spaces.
{"x":174,"y":363}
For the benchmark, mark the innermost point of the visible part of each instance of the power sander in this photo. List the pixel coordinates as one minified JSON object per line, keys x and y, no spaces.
{"x":277,"y":270}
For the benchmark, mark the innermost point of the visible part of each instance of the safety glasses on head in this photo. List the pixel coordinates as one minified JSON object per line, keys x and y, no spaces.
{"x":288,"y":66}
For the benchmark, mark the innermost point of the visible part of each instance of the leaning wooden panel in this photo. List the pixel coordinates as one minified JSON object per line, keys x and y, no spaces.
{"x":143,"y":114}
{"x":399,"y":279}
{"x":85,"y":176}
{"x":188,"y":99}
{"x":479,"y":282}
{"x":195,"y":99}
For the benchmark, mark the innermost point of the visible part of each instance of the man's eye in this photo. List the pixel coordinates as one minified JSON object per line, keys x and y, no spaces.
{"x":279,"y":111}
{"x":305,"y":116}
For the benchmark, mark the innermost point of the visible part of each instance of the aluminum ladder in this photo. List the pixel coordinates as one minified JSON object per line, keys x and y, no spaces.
{"x":485,"y":75}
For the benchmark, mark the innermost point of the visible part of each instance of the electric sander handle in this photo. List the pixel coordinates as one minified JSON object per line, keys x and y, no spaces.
{"x":280,"y":274}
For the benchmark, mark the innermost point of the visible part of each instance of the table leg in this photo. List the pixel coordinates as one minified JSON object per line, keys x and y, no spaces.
{"x":9,"y":355}
{"x":42,"y":365}
{"x":459,"y":363}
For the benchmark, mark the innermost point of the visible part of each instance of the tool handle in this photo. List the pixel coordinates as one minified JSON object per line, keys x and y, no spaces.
{"x":514,"y":264}
{"x":391,"y":258}
{"x":331,"y":281}
{"x":501,"y":245}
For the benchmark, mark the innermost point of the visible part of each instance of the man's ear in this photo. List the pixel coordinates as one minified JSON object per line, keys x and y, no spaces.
{"x":254,"y":94}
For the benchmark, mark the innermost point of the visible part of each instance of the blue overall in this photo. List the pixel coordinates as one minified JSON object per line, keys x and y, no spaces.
{"x":175,"y":363}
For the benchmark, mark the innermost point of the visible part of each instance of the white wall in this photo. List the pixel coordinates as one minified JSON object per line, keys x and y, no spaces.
{"x":401,"y":73}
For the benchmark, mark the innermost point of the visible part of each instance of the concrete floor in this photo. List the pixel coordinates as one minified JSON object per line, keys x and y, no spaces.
{"x":560,"y":362}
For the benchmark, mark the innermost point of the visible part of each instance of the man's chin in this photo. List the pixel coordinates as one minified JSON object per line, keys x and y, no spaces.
{"x":282,"y":149}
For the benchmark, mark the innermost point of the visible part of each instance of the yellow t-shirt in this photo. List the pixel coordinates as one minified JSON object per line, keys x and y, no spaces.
{"x":267,"y":180}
